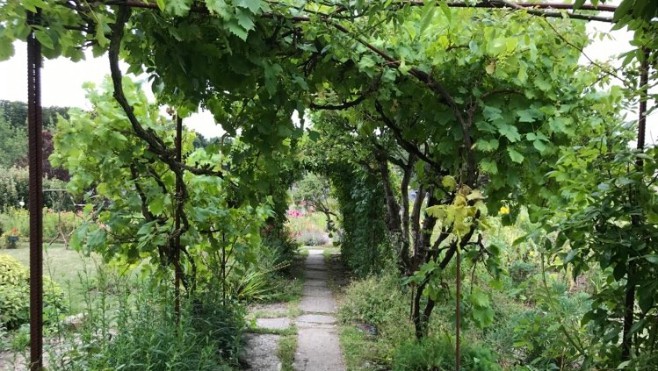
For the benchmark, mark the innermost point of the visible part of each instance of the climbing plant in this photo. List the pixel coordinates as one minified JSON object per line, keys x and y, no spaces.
{"x":133,"y":201}
{"x":477,"y":108}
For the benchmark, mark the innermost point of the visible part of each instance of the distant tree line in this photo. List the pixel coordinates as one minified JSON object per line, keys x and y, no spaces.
{"x":15,"y":113}
{"x":13,"y":136}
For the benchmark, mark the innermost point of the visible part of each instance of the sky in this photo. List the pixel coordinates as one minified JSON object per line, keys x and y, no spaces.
{"x":62,"y":80}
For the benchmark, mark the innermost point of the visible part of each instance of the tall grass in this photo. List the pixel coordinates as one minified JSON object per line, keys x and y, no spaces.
{"x":129,"y":324}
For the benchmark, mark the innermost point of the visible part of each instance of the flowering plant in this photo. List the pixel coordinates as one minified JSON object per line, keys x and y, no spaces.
{"x":11,"y":238}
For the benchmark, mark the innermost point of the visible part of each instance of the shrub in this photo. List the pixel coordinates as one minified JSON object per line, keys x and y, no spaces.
{"x":4,"y":338}
{"x":439,"y":354}
{"x":520,"y":271}
{"x":312,"y":238}
{"x":15,"y":295}
{"x":545,"y":334}
{"x":55,"y":224}
{"x":374,"y":300}
{"x":13,"y":187}
{"x":280,"y":245}
{"x":377,"y":320}
{"x":21,"y":338}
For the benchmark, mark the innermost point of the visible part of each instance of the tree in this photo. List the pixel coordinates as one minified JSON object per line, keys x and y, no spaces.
{"x":489,"y":125}
{"x":13,"y":142}
{"x":16,"y":114}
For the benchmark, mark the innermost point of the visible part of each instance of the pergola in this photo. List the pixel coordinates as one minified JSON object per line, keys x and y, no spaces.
{"x":34,"y":57}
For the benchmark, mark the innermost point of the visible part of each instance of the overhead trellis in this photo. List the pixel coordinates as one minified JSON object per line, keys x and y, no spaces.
{"x":101,"y":25}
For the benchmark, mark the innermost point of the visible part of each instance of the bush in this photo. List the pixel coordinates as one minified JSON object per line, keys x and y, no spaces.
{"x":280,"y":245}
{"x":439,"y":354}
{"x":15,"y":295}
{"x":376,"y":316}
{"x":520,"y":271}
{"x":545,"y":334}
{"x":55,"y":224}
{"x":312,"y":238}
{"x":4,"y":338}
{"x":13,"y":187}
{"x":374,"y":300}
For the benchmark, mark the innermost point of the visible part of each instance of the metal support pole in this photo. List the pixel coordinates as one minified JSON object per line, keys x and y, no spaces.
{"x":177,"y":217}
{"x":458,"y":322}
{"x":35,"y":158}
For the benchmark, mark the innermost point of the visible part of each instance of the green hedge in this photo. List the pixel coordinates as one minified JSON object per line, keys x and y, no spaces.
{"x":15,"y":295}
{"x":14,"y":188}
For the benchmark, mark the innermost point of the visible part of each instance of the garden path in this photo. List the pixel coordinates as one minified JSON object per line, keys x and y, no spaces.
{"x":318,"y":348}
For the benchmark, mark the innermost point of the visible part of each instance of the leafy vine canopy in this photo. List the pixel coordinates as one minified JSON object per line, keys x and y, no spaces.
{"x":495,"y":93}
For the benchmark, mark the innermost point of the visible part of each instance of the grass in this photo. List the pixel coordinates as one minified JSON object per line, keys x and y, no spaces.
{"x":356,"y":346}
{"x":287,"y":348}
{"x":68,"y":268}
{"x":289,"y":331}
{"x":329,"y":251}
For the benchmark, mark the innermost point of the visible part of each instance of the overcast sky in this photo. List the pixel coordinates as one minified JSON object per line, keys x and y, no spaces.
{"x":61,"y":85}
{"x":62,"y":80}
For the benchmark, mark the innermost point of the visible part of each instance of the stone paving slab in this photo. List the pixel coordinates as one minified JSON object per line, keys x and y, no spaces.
{"x":272,"y":310}
{"x":261,"y":352}
{"x":318,"y":350}
{"x":316,"y":275}
{"x":315,"y":283}
{"x":273,"y":323}
{"x":316,"y":291}
{"x":322,"y":326}
{"x":318,"y":304}
{"x":316,"y":319}
{"x":316,"y":268}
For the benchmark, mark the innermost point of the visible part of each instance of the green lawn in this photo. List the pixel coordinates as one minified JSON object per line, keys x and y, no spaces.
{"x":68,"y":268}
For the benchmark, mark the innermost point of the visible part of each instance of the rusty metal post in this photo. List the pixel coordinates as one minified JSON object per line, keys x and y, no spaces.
{"x":458,"y":322}
{"x":177,"y":217}
{"x":35,"y":158}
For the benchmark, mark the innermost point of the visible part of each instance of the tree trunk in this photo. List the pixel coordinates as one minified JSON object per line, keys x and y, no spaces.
{"x":404,"y":190}
{"x":393,"y":221}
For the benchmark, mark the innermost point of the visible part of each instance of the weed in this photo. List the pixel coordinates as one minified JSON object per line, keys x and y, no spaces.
{"x":439,"y":354}
{"x":131,"y":325}
{"x":374,"y":300}
{"x":291,"y":330}
{"x":287,"y":348}
{"x":374,"y":320}
{"x":20,"y":338}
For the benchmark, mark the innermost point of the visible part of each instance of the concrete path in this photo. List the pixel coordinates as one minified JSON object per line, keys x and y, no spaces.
{"x":318,"y":348}
{"x":261,"y":352}
{"x":261,"y":349}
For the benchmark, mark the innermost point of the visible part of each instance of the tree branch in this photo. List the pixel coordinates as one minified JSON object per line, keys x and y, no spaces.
{"x":397,"y":132}
{"x":155,"y":144}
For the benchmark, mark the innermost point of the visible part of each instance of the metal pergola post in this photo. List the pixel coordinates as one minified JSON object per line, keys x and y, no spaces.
{"x":35,"y":149}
